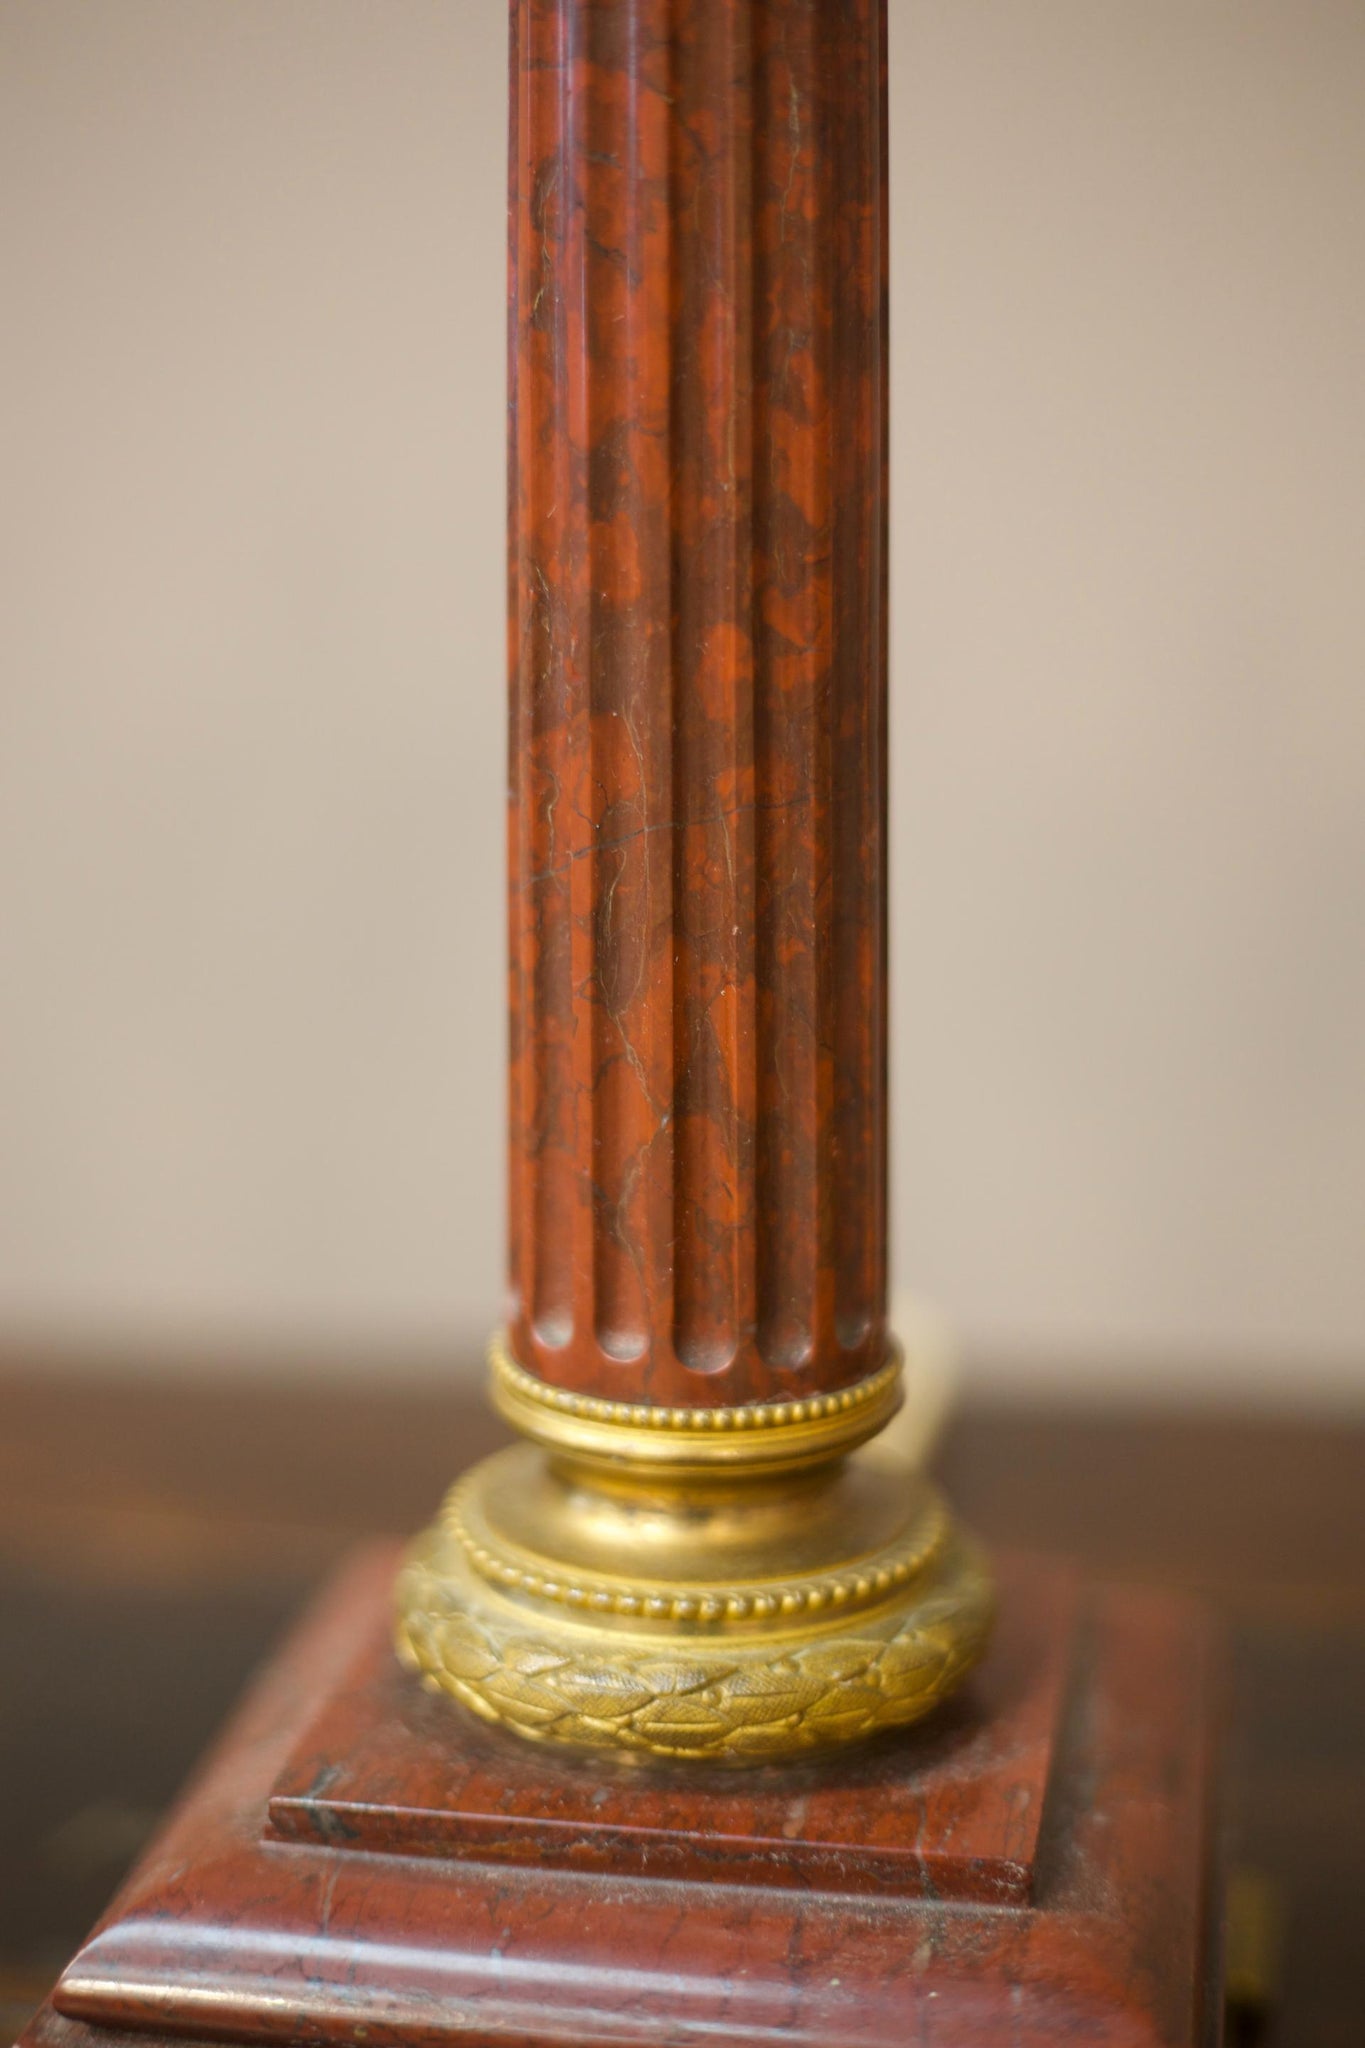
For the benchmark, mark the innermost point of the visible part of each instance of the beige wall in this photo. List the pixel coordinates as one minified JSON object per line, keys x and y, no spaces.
{"x":251,"y":674}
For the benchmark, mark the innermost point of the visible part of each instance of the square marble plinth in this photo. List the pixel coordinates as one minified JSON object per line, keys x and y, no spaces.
{"x":387,"y":1768}
{"x":361,"y":1863}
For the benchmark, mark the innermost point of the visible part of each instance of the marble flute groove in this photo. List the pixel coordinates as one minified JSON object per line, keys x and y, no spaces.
{"x":697,"y":814}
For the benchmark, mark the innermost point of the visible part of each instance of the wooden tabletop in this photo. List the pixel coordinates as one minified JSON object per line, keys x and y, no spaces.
{"x":157,"y":1535}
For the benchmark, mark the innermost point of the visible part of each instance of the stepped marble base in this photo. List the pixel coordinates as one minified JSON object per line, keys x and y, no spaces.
{"x":359,"y":1862}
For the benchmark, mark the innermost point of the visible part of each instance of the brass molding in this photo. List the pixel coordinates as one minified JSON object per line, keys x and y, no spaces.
{"x":662,"y":1582}
{"x":504,"y":1563}
{"x":769,"y":1433}
{"x":782,"y":1694}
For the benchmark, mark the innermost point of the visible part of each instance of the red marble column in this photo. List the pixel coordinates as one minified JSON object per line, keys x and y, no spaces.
{"x":697,"y":830}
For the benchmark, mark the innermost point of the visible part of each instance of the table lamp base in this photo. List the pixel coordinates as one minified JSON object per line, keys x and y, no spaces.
{"x":358,"y":1862}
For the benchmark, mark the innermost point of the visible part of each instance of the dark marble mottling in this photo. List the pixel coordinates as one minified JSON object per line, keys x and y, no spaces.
{"x":697,"y":826}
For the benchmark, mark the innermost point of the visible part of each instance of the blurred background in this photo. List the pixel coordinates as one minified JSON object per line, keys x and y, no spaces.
{"x":251,"y":644}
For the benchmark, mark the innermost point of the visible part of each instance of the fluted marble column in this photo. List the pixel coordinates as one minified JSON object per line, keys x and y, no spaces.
{"x":697,"y":823}
{"x":684,"y":1555}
